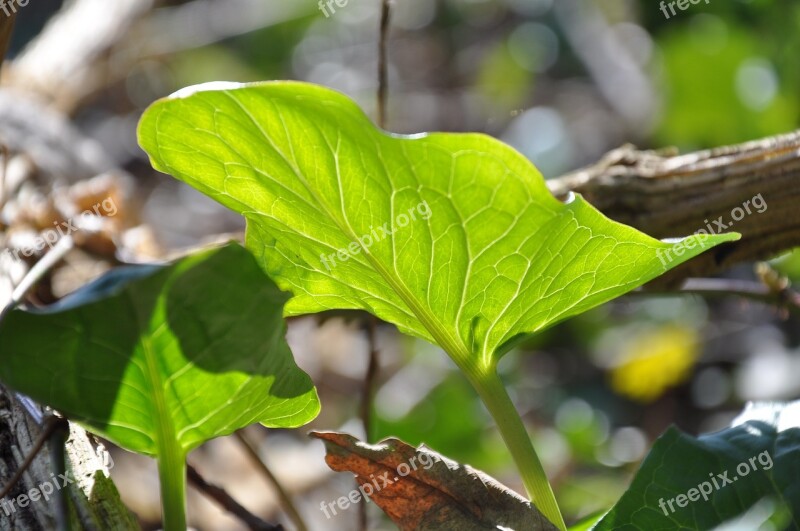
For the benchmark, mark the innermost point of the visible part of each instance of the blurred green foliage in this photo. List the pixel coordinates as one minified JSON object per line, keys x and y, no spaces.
{"x":721,"y":73}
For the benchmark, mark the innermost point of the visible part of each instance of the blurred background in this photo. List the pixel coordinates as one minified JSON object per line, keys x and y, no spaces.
{"x":563,"y":82}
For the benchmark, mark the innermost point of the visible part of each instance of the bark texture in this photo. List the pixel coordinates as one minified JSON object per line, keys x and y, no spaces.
{"x":665,"y":194}
{"x":92,"y":500}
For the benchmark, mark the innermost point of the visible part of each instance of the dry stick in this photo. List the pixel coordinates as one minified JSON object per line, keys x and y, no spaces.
{"x":65,"y":65}
{"x":51,"y":426}
{"x":286,"y":500}
{"x":784,"y":298}
{"x":368,"y":391}
{"x":226,"y":501}
{"x":373,"y":364}
{"x":664,"y":194}
{"x":4,"y":152}
{"x":58,"y":461}
{"x":38,"y":271}
{"x":383,"y":66}
{"x":367,"y":394}
{"x":6,"y":29}
{"x":721,"y":287}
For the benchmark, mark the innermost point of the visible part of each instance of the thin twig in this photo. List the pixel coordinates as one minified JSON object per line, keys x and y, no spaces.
{"x":368,"y":391}
{"x":768,"y":291}
{"x":226,"y":501}
{"x":373,"y":364}
{"x":5,"y":153}
{"x":286,"y":500}
{"x":383,"y":65}
{"x":37,"y":272}
{"x":58,"y":461}
{"x":51,"y":426}
{"x":6,"y":29}
{"x":367,"y":395}
{"x":785,"y":298}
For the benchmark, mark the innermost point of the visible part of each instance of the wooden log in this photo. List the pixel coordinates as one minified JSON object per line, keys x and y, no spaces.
{"x":665,"y":194}
{"x":93,"y":502}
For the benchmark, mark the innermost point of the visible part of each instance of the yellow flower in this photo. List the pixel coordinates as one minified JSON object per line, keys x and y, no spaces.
{"x":655,"y":360}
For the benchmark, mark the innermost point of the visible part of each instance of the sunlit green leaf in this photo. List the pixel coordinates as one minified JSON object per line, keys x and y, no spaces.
{"x":452,"y":237}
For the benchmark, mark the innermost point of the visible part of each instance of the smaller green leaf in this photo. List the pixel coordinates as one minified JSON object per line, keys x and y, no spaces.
{"x":699,"y":483}
{"x":149,"y":356}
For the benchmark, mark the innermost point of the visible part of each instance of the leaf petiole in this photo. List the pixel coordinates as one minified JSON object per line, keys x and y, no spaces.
{"x":495,"y":397}
{"x":172,"y":476}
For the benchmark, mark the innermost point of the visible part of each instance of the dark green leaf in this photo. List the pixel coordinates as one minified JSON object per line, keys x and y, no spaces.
{"x":759,"y":457}
{"x":180,"y":353}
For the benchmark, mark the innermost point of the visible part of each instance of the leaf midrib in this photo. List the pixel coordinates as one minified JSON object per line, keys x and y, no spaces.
{"x":167,"y":445}
{"x":165,"y":430}
{"x":452,"y":345}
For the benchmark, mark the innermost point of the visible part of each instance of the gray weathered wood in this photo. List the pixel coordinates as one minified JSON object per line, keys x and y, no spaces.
{"x":665,"y":194}
{"x":93,"y":501}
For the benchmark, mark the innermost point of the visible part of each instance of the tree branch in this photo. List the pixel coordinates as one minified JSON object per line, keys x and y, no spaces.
{"x":65,"y":63}
{"x":666,"y":195}
{"x":227,"y":502}
{"x":785,"y":298}
{"x":283,"y":495}
{"x":53,"y":423}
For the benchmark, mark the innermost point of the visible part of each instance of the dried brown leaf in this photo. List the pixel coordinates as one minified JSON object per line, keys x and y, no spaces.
{"x":420,"y":489}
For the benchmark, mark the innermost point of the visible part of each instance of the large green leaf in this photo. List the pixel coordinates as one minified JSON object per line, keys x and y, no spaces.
{"x":489,"y":257}
{"x":163,"y":357}
{"x":717,"y":476}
